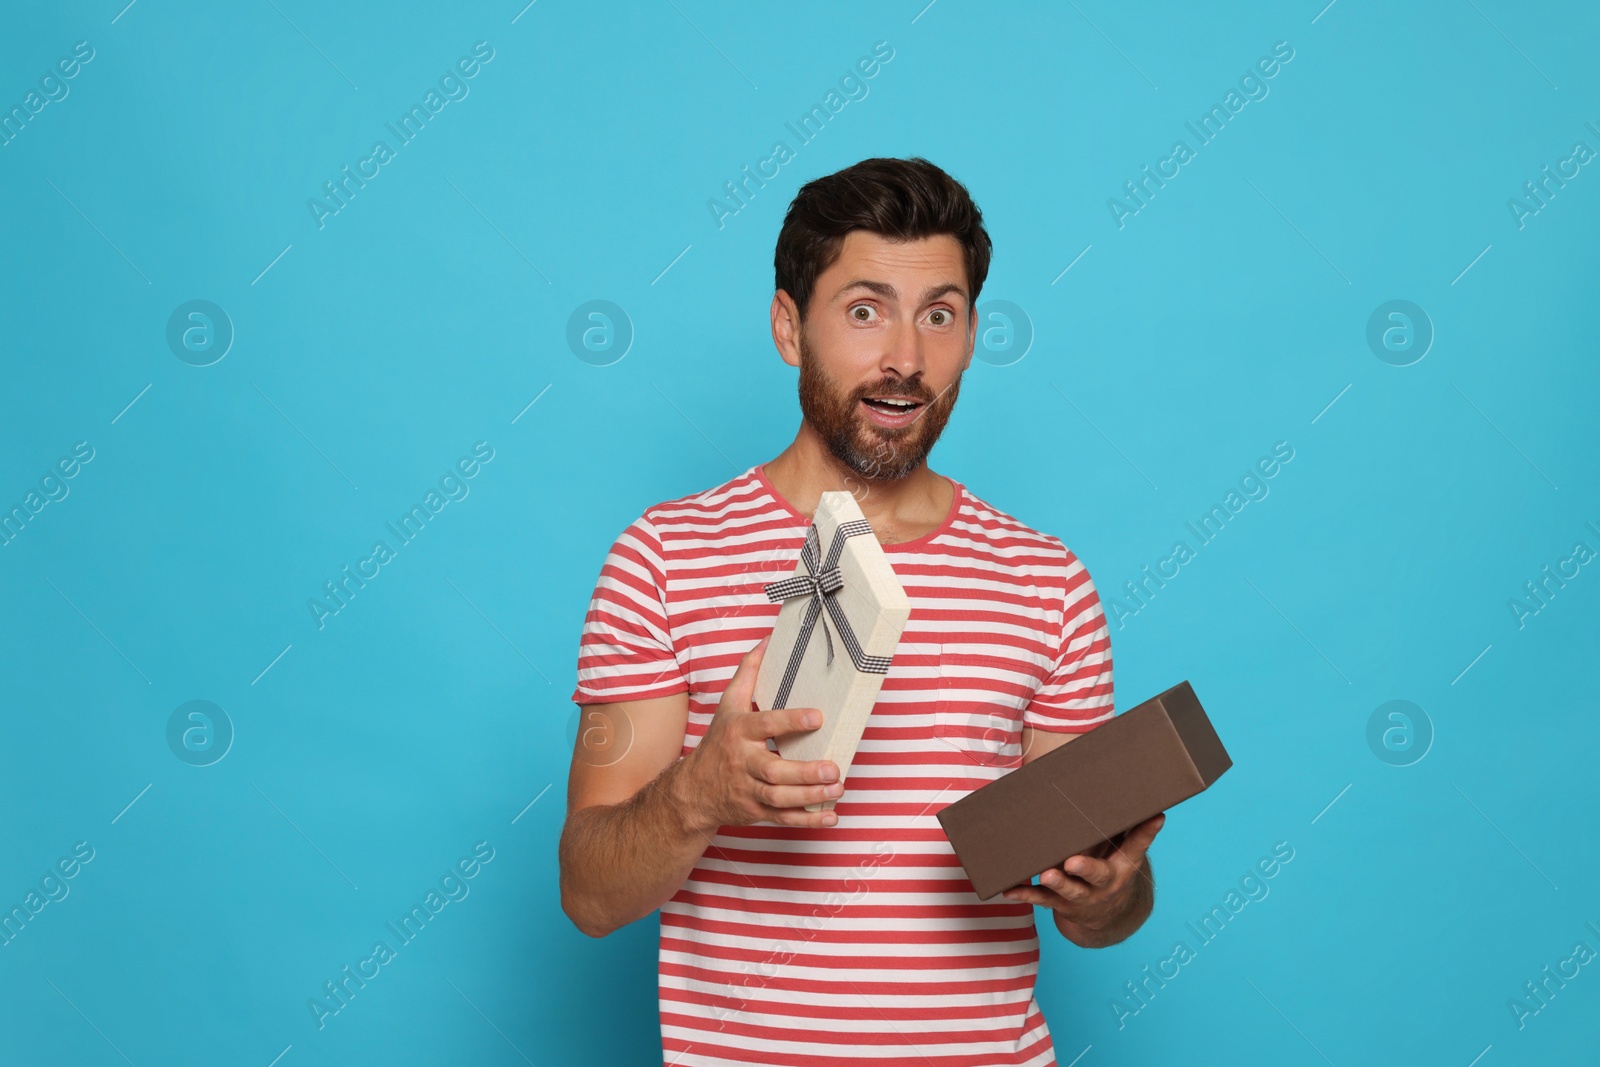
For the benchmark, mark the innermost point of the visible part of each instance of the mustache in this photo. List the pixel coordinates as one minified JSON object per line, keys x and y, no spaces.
{"x":911,"y":390}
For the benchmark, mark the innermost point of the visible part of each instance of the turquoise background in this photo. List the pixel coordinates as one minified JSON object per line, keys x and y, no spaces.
{"x":431,"y":713}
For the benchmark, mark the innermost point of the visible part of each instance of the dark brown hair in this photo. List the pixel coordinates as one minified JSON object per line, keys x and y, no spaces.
{"x":901,"y":199}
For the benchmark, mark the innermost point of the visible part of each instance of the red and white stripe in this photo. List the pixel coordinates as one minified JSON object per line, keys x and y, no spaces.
{"x":860,"y":943}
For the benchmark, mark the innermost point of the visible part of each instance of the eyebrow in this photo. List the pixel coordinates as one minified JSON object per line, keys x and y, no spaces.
{"x":884,"y":289}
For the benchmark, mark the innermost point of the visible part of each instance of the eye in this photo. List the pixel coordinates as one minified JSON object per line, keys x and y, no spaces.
{"x":856,"y":313}
{"x":944,"y":317}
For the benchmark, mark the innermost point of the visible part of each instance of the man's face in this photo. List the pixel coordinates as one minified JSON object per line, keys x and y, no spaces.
{"x":885,"y":341}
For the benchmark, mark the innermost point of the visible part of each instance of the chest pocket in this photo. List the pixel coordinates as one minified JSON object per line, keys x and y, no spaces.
{"x":981,"y":697}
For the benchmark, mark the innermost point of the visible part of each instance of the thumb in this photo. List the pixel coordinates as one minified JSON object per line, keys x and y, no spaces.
{"x":742,"y":686}
{"x":1140,"y":837}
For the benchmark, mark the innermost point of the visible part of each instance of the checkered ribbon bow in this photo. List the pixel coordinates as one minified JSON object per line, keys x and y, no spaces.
{"x":820,"y":583}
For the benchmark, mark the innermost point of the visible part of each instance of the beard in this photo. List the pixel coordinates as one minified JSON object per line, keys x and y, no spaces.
{"x":870,"y":450}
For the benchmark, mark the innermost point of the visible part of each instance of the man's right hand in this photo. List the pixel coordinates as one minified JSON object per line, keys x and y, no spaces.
{"x":732,"y":778}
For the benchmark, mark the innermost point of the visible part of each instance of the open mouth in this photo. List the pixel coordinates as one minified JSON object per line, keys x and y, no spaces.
{"x":892,"y":410}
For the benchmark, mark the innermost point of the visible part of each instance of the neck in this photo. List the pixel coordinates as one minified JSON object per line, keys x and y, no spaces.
{"x":899,"y":509}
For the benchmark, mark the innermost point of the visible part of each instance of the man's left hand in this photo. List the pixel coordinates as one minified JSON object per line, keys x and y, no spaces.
{"x":1095,"y":890}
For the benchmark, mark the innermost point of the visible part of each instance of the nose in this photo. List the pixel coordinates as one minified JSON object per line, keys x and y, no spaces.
{"x":902,"y":355}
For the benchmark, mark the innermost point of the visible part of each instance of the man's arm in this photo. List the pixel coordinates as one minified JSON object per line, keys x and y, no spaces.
{"x":626,"y":815}
{"x":639,"y":819}
{"x":1102,"y":896}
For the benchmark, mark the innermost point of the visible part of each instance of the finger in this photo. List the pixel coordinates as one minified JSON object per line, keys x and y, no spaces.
{"x":786,"y":721}
{"x":1134,"y":846}
{"x":797,"y":796}
{"x":799,"y":817}
{"x":1030,"y":894}
{"x":779,"y":771}
{"x":1065,"y":886}
{"x":781,"y":783}
{"x":1129,"y":857}
{"x":1096,"y":872}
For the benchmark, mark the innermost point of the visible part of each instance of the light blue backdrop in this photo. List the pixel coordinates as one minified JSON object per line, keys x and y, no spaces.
{"x":1441,"y":860}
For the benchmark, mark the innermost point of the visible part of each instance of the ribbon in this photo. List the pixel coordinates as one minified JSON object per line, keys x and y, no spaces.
{"x":820,"y":582}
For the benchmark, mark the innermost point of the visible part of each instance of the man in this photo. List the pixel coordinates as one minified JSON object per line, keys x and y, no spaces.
{"x":849,"y":936}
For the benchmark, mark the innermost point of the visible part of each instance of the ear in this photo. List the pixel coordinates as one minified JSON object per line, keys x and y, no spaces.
{"x":786,"y":327}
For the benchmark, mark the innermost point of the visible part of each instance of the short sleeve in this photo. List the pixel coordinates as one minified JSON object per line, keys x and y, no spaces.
{"x":1077,"y":696}
{"x":625,"y":651}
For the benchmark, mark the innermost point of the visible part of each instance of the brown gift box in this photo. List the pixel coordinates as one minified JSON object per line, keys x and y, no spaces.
{"x":1110,"y":779}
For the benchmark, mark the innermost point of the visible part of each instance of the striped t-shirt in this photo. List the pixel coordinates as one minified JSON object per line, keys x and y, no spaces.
{"x":863,"y":942}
